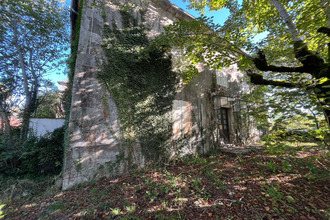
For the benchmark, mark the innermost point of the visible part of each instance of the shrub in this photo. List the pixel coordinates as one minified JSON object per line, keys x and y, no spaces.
{"x":36,"y":156}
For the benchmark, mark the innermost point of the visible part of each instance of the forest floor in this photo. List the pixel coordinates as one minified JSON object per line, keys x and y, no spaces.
{"x":277,"y":183}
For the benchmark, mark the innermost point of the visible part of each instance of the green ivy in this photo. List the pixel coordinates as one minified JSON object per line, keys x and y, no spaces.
{"x":142,"y":84}
{"x":72,"y":64}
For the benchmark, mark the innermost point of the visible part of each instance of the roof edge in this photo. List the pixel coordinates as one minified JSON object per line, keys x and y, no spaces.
{"x":174,"y":9}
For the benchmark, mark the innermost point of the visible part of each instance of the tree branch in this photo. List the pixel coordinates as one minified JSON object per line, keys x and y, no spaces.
{"x":261,"y":64}
{"x":237,"y":48}
{"x":22,"y":65}
{"x":324,"y":30}
{"x":259,"y":80}
{"x":289,"y":23}
{"x":312,"y":63}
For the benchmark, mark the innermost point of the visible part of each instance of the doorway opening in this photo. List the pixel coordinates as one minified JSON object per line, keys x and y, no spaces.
{"x":223,"y":125}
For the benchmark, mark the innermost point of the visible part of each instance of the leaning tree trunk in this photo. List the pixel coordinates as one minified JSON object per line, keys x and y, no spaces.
{"x":312,"y":63}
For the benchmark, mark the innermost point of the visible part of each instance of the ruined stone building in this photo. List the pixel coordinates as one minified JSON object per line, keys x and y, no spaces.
{"x":129,"y":109}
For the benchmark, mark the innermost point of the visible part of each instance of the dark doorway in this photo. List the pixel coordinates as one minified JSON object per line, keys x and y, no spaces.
{"x":223,"y":124}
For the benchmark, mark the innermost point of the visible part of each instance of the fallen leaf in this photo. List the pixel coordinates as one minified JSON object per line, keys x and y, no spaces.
{"x":290,"y":199}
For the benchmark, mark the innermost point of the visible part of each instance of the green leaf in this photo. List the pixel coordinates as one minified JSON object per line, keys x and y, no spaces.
{"x":323,"y":80}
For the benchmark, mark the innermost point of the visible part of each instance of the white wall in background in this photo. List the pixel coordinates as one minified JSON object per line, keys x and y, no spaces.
{"x":40,"y":126}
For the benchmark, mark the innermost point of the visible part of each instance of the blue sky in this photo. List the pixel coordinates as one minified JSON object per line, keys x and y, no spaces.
{"x":219,"y":18}
{"x":59,"y":74}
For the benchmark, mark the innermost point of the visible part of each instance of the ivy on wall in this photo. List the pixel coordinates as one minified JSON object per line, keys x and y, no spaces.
{"x":71,"y":65}
{"x":142,"y":84}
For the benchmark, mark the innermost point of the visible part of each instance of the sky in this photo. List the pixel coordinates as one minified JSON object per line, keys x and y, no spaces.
{"x":60,"y":73}
{"x":219,"y":17}
{"x":57,"y":75}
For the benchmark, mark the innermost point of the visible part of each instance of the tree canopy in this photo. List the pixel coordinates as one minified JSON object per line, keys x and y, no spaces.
{"x":294,"y":54}
{"x":33,"y":41}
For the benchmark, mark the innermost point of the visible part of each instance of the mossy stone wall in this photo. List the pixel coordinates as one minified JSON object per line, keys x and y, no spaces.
{"x":129,"y":105}
{"x":119,"y":108}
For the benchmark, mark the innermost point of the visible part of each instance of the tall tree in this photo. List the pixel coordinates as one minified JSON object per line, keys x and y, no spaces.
{"x":33,"y":40}
{"x":294,"y":54}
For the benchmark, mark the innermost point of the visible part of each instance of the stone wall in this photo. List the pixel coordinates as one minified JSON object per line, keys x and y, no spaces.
{"x":94,"y":127}
{"x":96,"y":145}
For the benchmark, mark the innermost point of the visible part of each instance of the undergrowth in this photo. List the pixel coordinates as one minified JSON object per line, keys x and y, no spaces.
{"x":258,"y":185}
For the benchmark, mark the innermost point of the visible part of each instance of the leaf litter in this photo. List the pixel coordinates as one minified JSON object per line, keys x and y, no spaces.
{"x":256,"y":185}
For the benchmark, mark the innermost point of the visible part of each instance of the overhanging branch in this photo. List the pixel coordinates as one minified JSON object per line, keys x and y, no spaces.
{"x":258,"y":79}
{"x":261,"y":64}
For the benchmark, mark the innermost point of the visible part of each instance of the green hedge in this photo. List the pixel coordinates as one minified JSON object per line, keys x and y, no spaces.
{"x":36,"y":156}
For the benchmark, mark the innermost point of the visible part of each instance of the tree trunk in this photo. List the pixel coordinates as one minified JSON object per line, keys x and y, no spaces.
{"x":27,"y":106}
{"x":289,"y":23}
{"x":311,"y":62}
{"x":5,"y":118}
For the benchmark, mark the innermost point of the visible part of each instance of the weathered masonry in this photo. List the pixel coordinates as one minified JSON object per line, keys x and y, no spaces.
{"x":130,"y":106}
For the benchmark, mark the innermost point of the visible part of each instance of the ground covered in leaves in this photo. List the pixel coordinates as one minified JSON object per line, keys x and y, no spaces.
{"x":264,"y":184}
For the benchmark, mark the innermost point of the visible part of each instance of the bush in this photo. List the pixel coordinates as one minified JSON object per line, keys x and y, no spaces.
{"x":36,"y":156}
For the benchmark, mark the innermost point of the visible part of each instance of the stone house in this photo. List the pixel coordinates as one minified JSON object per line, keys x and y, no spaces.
{"x":142,"y":111}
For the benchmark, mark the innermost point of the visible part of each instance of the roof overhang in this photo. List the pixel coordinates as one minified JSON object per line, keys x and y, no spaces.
{"x":174,"y":10}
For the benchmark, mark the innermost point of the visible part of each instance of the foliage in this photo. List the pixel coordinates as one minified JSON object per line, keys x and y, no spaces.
{"x":49,"y":105}
{"x":287,"y":117}
{"x":141,"y":83}
{"x":1,"y":215}
{"x":281,"y":46}
{"x":33,"y":41}
{"x":36,"y":156}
